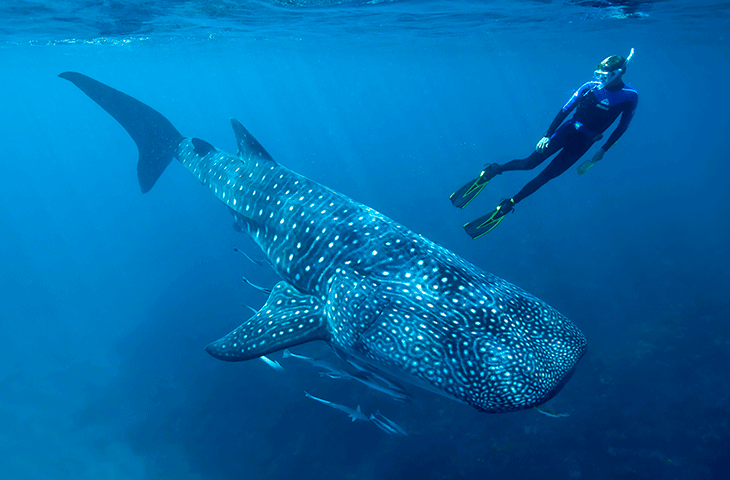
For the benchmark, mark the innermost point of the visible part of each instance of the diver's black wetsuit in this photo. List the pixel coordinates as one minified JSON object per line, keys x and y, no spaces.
{"x":597,"y":108}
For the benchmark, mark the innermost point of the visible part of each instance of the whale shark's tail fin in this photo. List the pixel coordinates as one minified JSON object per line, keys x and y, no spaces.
{"x":156,"y":138}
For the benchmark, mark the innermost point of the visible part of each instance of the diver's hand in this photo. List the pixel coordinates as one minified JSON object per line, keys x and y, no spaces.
{"x":585,"y":166}
{"x":599,"y":155}
{"x":542,"y":144}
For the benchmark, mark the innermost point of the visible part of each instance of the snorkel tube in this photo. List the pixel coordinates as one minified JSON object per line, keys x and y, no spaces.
{"x":628,"y":59}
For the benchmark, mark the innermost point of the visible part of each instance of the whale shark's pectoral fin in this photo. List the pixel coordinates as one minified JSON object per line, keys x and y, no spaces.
{"x":248,"y":146}
{"x":288,"y":318}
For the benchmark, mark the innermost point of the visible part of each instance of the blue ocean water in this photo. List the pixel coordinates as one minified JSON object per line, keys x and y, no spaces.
{"x":109,"y":296}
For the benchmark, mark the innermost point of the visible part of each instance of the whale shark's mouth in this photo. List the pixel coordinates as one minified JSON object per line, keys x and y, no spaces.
{"x":563,"y":381}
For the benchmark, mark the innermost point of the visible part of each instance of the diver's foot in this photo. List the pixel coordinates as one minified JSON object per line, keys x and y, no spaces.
{"x":490,"y":171}
{"x":487,"y":223}
{"x":505,"y":207}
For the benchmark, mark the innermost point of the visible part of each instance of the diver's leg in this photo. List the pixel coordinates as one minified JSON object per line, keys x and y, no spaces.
{"x":532,"y":161}
{"x":557,"y":142}
{"x":563,"y":161}
{"x":463,"y":196}
{"x":573,"y":145}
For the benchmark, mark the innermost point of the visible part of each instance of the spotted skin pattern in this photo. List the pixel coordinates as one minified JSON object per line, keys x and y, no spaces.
{"x":383,"y":294}
{"x":376,"y":291}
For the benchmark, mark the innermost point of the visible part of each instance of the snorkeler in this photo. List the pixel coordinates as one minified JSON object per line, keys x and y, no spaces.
{"x":597,"y":104}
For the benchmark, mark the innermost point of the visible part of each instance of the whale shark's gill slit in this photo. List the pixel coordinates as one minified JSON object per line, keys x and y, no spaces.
{"x":156,"y":138}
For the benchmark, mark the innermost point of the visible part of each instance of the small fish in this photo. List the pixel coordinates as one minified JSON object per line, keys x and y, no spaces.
{"x":336,"y":375}
{"x":250,"y":258}
{"x":267,"y":291}
{"x":385,"y":424}
{"x":353,"y":414}
{"x":251,"y":308}
{"x":368,"y":372}
{"x":548,"y":413}
{"x":273,"y":364}
{"x":367,"y":378}
{"x":378,"y":383}
{"x":332,"y":371}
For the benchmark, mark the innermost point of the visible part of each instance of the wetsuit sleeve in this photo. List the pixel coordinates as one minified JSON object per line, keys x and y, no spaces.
{"x":626,"y":115}
{"x":565,"y":111}
{"x":562,"y":114}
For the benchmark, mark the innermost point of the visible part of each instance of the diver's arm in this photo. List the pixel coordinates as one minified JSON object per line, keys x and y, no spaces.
{"x":620,"y":129}
{"x":569,"y":107}
{"x":559,"y":118}
{"x":545,"y":141}
{"x":626,"y":116}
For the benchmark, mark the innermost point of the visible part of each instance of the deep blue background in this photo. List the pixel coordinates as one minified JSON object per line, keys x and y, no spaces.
{"x":108,"y":297}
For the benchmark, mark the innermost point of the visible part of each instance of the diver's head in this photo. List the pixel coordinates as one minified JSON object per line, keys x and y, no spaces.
{"x":612,"y":69}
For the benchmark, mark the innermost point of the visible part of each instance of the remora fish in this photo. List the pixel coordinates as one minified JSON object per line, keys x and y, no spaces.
{"x":375,"y":382}
{"x":354,"y":414}
{"x":385,"y":424}
{"x":354,"y":278}
{"x":334,"y":372}
{"x":272,"y":363}
{"x":369,"y":379}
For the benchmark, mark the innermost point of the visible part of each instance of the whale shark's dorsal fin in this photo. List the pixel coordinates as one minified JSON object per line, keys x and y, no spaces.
{"x":288,"y":318}
{"x":248,"y":146}
{"x":156,"y":138}
{"x":201,"y":147}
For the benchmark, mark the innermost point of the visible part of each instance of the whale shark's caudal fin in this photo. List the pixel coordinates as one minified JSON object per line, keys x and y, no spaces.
{"x":288,"y":318}
{"x":156,"y":138}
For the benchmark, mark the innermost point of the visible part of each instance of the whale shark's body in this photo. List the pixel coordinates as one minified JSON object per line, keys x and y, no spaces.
{"x":377,"y":292}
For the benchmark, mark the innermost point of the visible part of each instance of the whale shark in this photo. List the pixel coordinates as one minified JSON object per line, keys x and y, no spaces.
{"x":377,"y":292}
